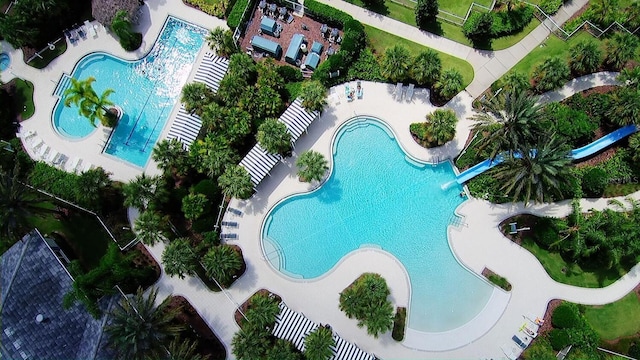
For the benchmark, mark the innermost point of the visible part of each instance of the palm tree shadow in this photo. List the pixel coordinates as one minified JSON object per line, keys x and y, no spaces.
{"x":331,"y":191}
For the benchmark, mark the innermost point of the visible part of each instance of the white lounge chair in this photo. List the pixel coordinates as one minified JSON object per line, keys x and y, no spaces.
{"x":409,"y":94}
{"x":44,"y":150}
{"x":398,"y":92}
{"x":73,"y":164}
{"x":37,"y":142}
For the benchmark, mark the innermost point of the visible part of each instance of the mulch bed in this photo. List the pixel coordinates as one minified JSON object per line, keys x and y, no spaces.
{"x":197,"y":329}
{"x":245,"y":305}
{"x":145,"y":259}
{"x":522,"y":220}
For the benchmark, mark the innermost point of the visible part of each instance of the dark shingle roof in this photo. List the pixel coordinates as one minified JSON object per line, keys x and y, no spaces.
{"x":34,"y":282}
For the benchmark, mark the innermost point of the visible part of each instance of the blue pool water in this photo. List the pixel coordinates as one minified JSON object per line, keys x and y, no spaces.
{"x":146,"y":89}
{"x":377,"y":196}
{"x":5,"y":61}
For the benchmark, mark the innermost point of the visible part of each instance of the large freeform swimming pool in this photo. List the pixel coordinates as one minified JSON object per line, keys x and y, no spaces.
{"x":146,"y":89}
{"x":378,"y":196}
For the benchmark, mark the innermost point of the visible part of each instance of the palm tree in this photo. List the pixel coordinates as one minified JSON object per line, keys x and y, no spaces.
{"x":634,"y":145}
{"x":90,"y":187}
{"x":262,"y":311}
{"x":251,"y":342}
{"x":179,"y":259}
{"x":195,"y":96}
{"x":139,"y":328}
{"x":620,"y":48}
{"x":311,"y":166}
{"x":194,"y":206}
{"x":215,"y":154}
{"x":90,"y":105}
{"x":171,"y":156}
{"x":551,"y":74}
{"x":231,"y":89}
{"x":179,"y":349}
{"x":380,"y":320}
{"x":535,"y":173}
{"x":426,"y":12}
{"x":18,"y":205}
{"x":313,"y":95}
{"x":516,"y":116}
{"x":624,"y":109}
{"x":222,"y":263}
{"x":221,"y":41}
{"x":318,"y":344}
{"x":585,"y":57}
{"x":515,"y":81}
{"x":236,"y":182}
{"x":395,"y":63}
{"x":282,"y":350}
{"x":603,"y":11}
{"x":144,"y":192}
{"x":426,"y":67}
{"x":243,"y":66}
{"x":441,"y":126}
{"x":274,"y":137}
{"x":449,"y":84}
{"x":151,"y":227}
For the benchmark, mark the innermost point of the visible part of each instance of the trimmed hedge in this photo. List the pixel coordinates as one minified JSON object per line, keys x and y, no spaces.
{"x":399,"y":322}
{"x":218,"y":8}
{"x":559,"y":339}
{"x":550,"y":7}
{"x":565,"y":316}
{"x":235,"y":15}
{"x":594,"y":181}
{"x":546,"y":231}
{"x":511,"y":22}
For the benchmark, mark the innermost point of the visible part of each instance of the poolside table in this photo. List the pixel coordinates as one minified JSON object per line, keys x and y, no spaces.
{"x":262,"y":5}
{"x":283,"y":11}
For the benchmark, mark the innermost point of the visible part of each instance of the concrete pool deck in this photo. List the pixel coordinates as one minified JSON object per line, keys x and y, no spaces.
{"x":89,"y":149}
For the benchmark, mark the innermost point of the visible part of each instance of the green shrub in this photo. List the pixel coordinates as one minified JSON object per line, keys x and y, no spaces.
{"x":550,"y":7}
{"x":131,"y":42}
{"x":207,"y":187}
{"x":216,"y":8}
{"x":500,"y":281}
{"x":485,"y":186}
{"x":399,"y":324}
{"x":594,"y":181}
{"x":574,"y":125}
{"x":54,"y":181}
{"x":511,"y":22}
{"x":203,"y":224}
{"x":565,"y":316}
{"x":289,"y":74}
{"x":211,"y":238}
{"x":366,"y":68}
{"x":326,"y":14}
{"x":479,"y":26}
{"x":559,"y":339}
{"x":634,"y":350}
{"x":418,"y":130}
{"x":546,"y":231}
{"x":572,"y":188}
{"x":235,"y":15}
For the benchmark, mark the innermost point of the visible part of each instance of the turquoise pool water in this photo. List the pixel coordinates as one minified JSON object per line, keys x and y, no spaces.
{"x":377,"y":196}
{"x":146,"y":89}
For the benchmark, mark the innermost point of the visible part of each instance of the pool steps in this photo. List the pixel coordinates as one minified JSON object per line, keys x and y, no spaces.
{"x":63,"y":84}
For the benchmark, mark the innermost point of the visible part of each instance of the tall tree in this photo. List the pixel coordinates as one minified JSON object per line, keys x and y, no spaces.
{"x":441,"y":126}
{"x":139,"y":328}
{"x":251,"y":342}
{"x":121,"y":26}
{"x":145,"y":192}
{"x":586,"y":57}
{"x":214,"y":154}
{"x":517,"y":117}
{"x":221,"y":41}
{"x":624,"y":109}
{"x":449,"y":84}
{"x":395,"y":63}
{"x":312,"y":166}
{"x":171,"y":156}
{"x":195,"y":96}
{"x":318,"y":343}
{"x":222,"y":263}
{"x":282,"y":350}
{"x":179,"y":258}
{"x":151,"y":227}
{"x":179,"y":349}
{"x":603,"y":12}
{"x":236,"y":182}
{"x":274,"y":137}
{"x":242,"y":66}
{"x":621,"y":48}
{"x":313,"y":95}
{"x":426,"y":67}
{"x":426,"y":13}
{"x":535,"y":172}
{"x":515,"y":81}
{"x":194,"y":206}
{"x":18,"y":204}
{"x":551,"y":74}
{"x":90,"y":187}
{"x":90,"y":105}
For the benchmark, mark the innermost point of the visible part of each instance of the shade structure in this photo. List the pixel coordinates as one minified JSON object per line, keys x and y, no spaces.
{"x":312,"y":61}
{"x":268,"y":25}
{"x":293,"y":51}
{"x":297,"y":119}
{"x":266,"y":45}
{"x":259,"y":163}
{"x":185,"y":127}
{"x":294,"y":327}
{"x":317,"y":47}
{"x":211,"y":70}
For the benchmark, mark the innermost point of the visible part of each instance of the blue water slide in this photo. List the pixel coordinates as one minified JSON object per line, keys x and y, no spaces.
{"x":575,"y":154}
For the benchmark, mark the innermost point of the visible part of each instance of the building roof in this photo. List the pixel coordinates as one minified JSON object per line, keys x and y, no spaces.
{"x":293,"y":51}
{"x":34,"y":283}
{"x":105,"y":10}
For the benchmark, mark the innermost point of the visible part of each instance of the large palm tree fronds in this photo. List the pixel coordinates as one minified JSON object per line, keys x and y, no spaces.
{"x":535,"y":173}
{"x":516,"y":116}
{"x":139,"y":328}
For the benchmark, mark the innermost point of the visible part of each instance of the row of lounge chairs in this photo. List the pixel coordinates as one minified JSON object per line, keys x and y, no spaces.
{"x":399,"y":91}
{"x":231,"y":224}
{"x":43,"y":152}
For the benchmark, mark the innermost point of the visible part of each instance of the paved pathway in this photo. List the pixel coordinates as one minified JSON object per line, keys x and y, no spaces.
{"x":488,"y":66}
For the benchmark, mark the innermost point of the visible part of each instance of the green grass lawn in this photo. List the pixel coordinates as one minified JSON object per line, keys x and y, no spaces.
{"x":573,"y":274}
{"x":49,"y":55}
{"x":381,"y":40}
{"x":84,"y":235}
{"x":460,"y":7}
{"x":618,"y":319}
{"x":24,"y":98}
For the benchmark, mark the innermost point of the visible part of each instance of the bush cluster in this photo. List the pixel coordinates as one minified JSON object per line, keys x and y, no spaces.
{"x":571,"y":328}
{"x":546,"y":233}
{"x":366,"y":300}
{"x":487,"y":26}
{"x":550,"y":7}
{"x":216,"y":8}
{"x":235,"y":15}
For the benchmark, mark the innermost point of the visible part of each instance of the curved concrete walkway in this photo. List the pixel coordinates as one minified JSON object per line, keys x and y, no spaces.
{"x":488,"y":66}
